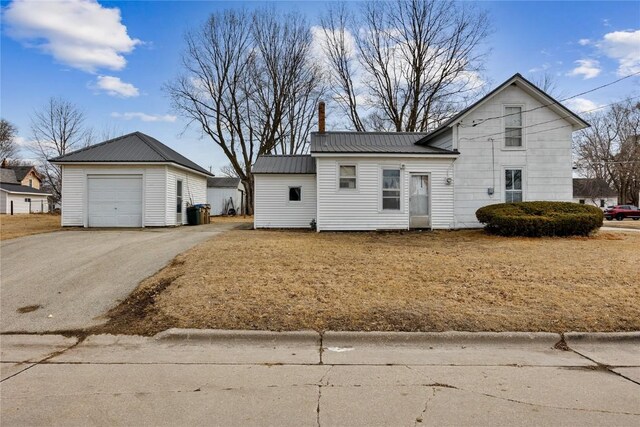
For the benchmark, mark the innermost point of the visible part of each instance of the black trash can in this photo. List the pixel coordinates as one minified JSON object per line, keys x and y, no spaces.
{"x":193,"y":215}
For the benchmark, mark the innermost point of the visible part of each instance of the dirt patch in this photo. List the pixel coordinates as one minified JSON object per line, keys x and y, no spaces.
{"x":29,"y":308}
{"x":430,"y":281}
{"x":13,"y":226}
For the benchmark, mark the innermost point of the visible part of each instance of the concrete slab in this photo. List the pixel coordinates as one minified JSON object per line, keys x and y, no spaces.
{"x":614,"y":349}
{"x":33,"y":348}
{"x":87,"y":394}
{"x":9,"y":369}
{"x":631,"y":373}
{"x":450,"y":407}
{"x":447,"y":348}
{"x":251,"y":347}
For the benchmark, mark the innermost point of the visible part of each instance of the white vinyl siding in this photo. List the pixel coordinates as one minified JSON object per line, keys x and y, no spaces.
{"x":361,"y":209}
{"x":272,"y":208}
{"x":155,"y":183}
{"x":194,"y":191}
{"x":545,"y":157}
{"x":217,"y":196}
{"x":20,"y":203}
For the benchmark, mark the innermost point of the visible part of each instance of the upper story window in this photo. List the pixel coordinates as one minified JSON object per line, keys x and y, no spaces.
{"x":391,"y":189}
{"x":348,"y":179}
{"x":31,"y":183}
{"x":513,"y":185}
{"x":513,"y":126}
{"x":295,"y":194}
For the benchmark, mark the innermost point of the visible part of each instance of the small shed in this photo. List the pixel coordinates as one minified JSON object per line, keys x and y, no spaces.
{"x":222,"y":190}
{"x":594,"y":191}
{"x":130,"y":181}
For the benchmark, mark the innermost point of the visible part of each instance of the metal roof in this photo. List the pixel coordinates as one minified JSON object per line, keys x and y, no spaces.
{"x":373,"y":142}
{"x":300,"y":164}
{"x":592,"y":187}
{"x":223,"y":182}
{"x":134,"y":147}
{"x":17,"y":188}
{"x":20,"y":171}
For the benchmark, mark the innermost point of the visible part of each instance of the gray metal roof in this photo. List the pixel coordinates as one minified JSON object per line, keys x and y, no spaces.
{"x":372,"y":142}
{"x":17,"y":188}
{"x":223,"y":182}
{"x":20,"y":171}
{"x":133,"y":147}
{"x":300,"y":164}
{"x":8,"y":175}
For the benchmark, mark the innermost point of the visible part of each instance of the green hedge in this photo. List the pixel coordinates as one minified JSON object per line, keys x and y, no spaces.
{"x":536,"y":219}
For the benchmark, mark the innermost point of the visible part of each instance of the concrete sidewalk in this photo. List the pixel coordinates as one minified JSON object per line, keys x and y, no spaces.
{"x":301,"y":378}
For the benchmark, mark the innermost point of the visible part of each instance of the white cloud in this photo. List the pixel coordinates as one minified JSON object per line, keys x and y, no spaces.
{"x":623,"y":46}
{"x":115,"y":87}
{"x":145,"y":117}
{"x":584,"y":42}
{"x":581,"y":105}
{"x":543,"y":67}
{"x":79,"y":33}
{"x":588,"y":68}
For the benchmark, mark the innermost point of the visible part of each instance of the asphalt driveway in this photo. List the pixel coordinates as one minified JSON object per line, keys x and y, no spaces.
{"x":66,"y":280}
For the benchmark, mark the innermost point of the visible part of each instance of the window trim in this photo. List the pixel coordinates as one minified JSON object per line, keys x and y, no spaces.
{"x":523,"y":126}
{"x":381,"y":189}
{"x":294,"y":202}
{"x":338,"y":176}
{"x":523,"y":178}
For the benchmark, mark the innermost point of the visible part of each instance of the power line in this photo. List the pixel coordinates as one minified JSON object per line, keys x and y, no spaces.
{"x":482,"y":121}
{"x":542,"y":123}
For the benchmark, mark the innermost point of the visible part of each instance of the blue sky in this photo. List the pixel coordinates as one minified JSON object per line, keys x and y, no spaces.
{"x":119,"y":83}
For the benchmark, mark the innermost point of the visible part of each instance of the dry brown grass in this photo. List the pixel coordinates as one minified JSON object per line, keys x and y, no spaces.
{"x":221,"y":219}
{"x":627,"y":223}
{"x":431,"y":281}
{"x":12,"y":226}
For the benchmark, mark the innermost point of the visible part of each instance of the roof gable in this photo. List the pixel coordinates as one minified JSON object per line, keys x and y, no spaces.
{"x":532,"y":90}
{"x":135,"y":147}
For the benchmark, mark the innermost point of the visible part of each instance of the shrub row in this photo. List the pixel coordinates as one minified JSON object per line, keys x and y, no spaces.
{"x":537,"y":219}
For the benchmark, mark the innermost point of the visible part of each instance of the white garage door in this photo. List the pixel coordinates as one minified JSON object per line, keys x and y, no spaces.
{"x":115,"y":201}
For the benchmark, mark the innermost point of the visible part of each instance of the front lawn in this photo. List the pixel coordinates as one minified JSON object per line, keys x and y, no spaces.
{"x":12,"y":226}
{"x":411,"y":281}
{"x":627,"y":223}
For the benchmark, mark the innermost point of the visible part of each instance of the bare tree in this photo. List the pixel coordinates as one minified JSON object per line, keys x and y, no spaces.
{"x":229,"y":171}
{"x":57,"y":128}
{"x":406,"y":62}
{"x":549,"y":84}
{"x":249,"y":83}
{"x":8,"y":147}
{"x":610,"y":149}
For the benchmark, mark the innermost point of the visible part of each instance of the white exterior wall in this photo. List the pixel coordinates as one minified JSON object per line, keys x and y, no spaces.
{"x":194,"y":191}
{"x":39,"y":203}
{"x":545,"y":157}
{"x":217,"y":197}
{"x":608,"y":201}
{"x":272,"y":208}
{"x":156,"y":191}
{"x":361,"y":209}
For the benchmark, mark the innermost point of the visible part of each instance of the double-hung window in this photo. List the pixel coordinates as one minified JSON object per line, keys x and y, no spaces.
{"x":391,"y":189}
{"x":513,"y":127}
{"x":348,"y":179}
{"x":513,"y":185}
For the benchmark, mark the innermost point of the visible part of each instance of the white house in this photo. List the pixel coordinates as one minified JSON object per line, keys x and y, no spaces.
{"x":220,"y":190}
{"x":514,"y":144}
{"x":595,"y":192}
{"x":130,"y":181}
{"x":16,"y":198}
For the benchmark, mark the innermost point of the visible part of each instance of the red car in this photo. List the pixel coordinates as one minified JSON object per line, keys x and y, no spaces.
{"x":621,"y":212}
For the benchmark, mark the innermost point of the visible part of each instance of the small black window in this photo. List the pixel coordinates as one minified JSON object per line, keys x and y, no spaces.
{"x":582,"y":201}
{"x":295,"y":194}
{"x":602,"y":203}
{"x":27,"y":200}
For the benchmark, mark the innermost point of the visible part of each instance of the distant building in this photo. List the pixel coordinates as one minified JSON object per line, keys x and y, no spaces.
{"x":594,"y":191}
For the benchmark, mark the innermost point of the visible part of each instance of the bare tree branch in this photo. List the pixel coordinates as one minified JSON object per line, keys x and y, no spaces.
{"x":8,"y":147}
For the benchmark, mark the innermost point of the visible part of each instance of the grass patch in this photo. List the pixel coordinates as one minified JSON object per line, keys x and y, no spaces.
{"x":402,"y":281}
{"x":13,"y":226}
{"x":627,"y":223}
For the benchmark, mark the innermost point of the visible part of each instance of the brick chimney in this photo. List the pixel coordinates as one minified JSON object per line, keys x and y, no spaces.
{"x":321,"y":117}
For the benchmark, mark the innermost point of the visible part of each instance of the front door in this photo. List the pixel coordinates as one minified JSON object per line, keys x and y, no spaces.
{"x":419,"y":216}
{"x":178,"y":202}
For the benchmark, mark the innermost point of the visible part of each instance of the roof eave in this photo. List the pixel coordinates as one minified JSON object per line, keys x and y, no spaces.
{"x":120,"y":162}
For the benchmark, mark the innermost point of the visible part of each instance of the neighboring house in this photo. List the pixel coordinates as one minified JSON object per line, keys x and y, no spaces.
{"x":513,"y":144}
{"x":222,"y":189}
{"x":594,"y":191}
{"x":16,"y":198}
{"x":26,"y":175}
{"x":130,"y":181}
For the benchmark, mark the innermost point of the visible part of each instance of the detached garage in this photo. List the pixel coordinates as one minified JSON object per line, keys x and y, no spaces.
{"x":130,"y":181}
